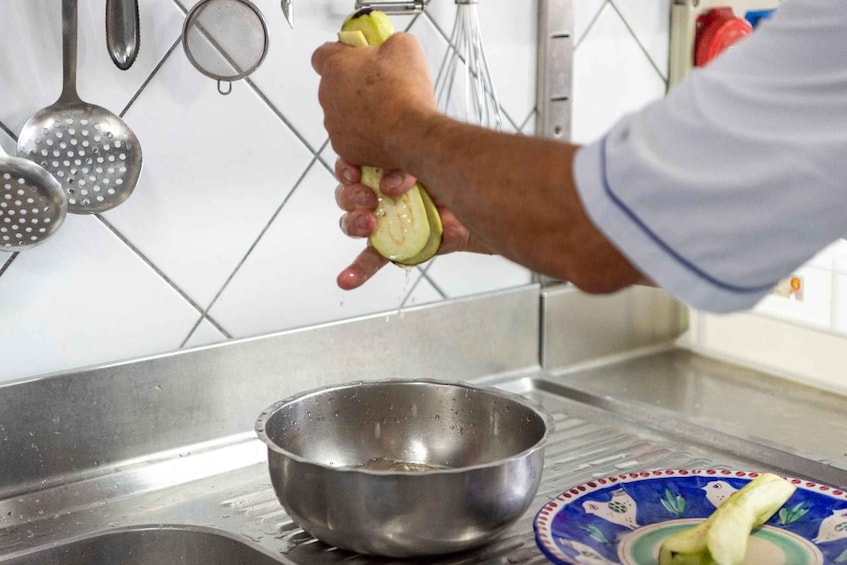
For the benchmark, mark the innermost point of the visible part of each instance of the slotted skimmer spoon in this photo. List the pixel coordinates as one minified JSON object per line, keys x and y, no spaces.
{"x":91,"y":151}
{"x":32,"y":204}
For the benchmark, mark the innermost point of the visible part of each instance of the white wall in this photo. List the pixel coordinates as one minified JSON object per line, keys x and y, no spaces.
{"x":232,"y":230}
{"x":802,"y":338}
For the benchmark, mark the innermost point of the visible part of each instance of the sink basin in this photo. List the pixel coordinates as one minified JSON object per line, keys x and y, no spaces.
{"x":149,"y":546}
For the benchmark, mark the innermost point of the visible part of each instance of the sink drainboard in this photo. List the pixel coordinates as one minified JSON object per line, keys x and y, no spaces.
{"x":243,"y":523}
{"x":579,"y":450}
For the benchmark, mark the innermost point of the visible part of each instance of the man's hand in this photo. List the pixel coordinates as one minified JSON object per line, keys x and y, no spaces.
{"x":369,"y":93}
{"x":359,"y":202}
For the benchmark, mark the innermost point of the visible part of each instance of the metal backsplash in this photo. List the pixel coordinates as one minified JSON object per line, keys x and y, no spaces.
{"x":579,"y":328}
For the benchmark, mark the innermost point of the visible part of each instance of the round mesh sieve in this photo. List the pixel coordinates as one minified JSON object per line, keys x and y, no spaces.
{"x":225,"y":39}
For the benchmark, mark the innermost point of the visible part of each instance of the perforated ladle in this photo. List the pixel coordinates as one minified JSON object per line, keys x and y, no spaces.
{"x":32,"y":204}
{"x":90,"y":150}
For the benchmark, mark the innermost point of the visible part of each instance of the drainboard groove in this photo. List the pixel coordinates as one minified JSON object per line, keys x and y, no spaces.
{"x":277,"y":515}
{"x":582,"y":433}
{"x":564,"y":423}
{"x":646,"y":455}
{"x":250,"y":499}
{"x":560,"y":417}
{"x":596,"y":455}
{"x":515,"y":548}
{"x":568,"y":445}
{"x":559,"y":477}
{"x":261,"y":511}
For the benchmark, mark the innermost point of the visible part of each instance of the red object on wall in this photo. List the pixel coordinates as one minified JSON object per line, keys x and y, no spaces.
{"x":718,"y":30}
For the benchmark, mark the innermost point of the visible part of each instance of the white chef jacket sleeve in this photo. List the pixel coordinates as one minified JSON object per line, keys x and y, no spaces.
{"x":737,"y":177}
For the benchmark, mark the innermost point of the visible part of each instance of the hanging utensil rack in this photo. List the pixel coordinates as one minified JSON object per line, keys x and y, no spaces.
{"x":555,"y":68}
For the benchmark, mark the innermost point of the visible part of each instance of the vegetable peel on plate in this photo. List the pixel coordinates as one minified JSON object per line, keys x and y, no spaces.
{"x":722,"y":538}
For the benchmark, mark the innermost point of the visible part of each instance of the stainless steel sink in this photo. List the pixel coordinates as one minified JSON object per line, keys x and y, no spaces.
{"x":216,"y":505}
{"x":155,"y":461}
{"x":155,"y":545}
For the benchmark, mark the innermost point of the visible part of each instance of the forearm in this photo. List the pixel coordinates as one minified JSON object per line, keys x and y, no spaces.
{"x":515,"y":193}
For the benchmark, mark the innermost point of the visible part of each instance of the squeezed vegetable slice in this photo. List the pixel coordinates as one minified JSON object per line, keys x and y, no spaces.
{"x":402,"y":229}
{"x":408,"y":228}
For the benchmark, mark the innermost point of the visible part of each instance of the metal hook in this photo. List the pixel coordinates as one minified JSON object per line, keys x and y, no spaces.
{"x":396,"y":7}
{"x":228,"y":90}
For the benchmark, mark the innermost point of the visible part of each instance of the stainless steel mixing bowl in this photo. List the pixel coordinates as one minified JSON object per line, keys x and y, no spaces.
{"x":405,"y":468}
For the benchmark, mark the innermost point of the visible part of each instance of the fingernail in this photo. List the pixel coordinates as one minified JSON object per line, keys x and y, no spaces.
{"x":392,"y":180}
{"x":364,"y":198}
{"x":347,"y":176}
{"x":349,"y":278}
{"x":361,"y":224}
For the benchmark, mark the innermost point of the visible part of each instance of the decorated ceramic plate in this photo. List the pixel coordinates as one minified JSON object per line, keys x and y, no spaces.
{"x":623,"y":519}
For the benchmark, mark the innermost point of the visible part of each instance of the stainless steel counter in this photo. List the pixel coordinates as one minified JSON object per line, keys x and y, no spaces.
{"x":212,"y":502}
{"x":155,"y":461}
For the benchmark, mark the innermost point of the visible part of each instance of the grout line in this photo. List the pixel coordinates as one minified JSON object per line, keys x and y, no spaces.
{"x":509,"y":118}
{"x":181,"y":7}
{"x":319,"y":155}
{"x":215,"y":324}
{"x":8,"y":131}
{"x":8,"y":262}
{"x":590,"y":25}
{"x":158,"y":271}
{"x":412,"y":22}
{"x":149,"y":78}
{"x":191,"y":331}
{"x":423,"y":276}
{"x":280,"y":115}
{"x":257,"y":240}
{"x":525,"y":123}
{"x":405,"y":301}
{"x":436,"y":26}
{"x":635,"y":37}
{"x":436,"y":286}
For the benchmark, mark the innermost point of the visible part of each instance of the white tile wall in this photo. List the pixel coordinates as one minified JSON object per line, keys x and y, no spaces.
{"x":232,"y":231}
{"x":804,"y":338}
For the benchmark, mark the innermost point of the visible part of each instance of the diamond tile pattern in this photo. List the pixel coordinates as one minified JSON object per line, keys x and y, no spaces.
{"x":232,"y":230}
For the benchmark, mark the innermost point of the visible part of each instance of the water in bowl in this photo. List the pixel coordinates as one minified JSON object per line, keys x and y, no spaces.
{"x":389,"y":464}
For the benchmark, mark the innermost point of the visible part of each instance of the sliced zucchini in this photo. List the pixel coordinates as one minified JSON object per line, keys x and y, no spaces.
{"x":409,"y":227}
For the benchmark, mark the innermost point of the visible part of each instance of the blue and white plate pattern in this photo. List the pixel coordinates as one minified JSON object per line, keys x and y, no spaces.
{"x":623,"y":519}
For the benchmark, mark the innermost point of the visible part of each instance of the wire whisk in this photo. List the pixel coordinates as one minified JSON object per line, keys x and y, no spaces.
{"x":473,"y":99}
